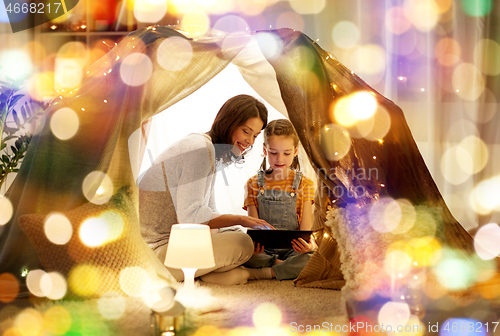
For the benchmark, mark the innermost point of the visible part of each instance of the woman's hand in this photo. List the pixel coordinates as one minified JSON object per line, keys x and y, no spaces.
{"x":255,"y":223}
{"x":301,"y":246}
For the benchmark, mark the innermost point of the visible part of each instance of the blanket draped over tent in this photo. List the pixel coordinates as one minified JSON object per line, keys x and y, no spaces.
{"x":93,"y":171}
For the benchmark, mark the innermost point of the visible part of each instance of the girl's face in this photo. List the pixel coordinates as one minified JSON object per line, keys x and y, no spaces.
{"x":280,"y":151}
{"x":244,"y":136}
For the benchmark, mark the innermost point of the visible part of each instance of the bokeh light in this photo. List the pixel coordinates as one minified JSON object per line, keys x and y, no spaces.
{"x":29,"y":322}
{"x":9,"y":289}
{"x":486,"y":241}
{"x":408,"y":216}
{"x":448,"y":51}
{"x":111,"y":305}
{"x":396,"y":21}
{"x":160,"y":301}
{"x":33,"y":280}
{"x":397,"y":264}
{"x":270,"y":45}
{"x":57,"y":228}
{"x":196,"y":22}
{"x":485,"y":198}
{"x":394,"y":314}
{"x":93,"y":232}
{"x":41,"y":85}
{"x":385,"y":215}
{"x":85,"y":280}
{"x":6,"y":210}
{"x":53,"y":285}
{"x":136,"y":69}
{"x":423,"y":14}
{"x":486,"y":57}
{"x":174,"y":53}
{"x":64,"y":123}
{"x":97,"y":187}
{"x":251,"y":7}
{"x":345,"y":34}
{"x":450,"y":168}
{"x":231,"y":24}
{"x":484,"y":109}
{"x":335,"y":142}
{"x":150,"y":11}
{"x":57,"y":320}
{"x":468,"y":81}
{"x":477,"y":7}
{"x":291,"y":20}
{"x":267,"y":315}
{"x":15,"y":63}
{"x":363,"y":105}
{"x":477,"y":156}
{"x":135,"y":281}
{"x":453,"y":272}
{"x":307,"y":6}
{"x":368,"y":62}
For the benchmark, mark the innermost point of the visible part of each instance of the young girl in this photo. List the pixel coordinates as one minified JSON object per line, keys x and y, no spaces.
{"x":283,"y":197}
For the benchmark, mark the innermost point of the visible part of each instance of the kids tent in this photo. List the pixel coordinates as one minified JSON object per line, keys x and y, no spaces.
{"x":89,"y":167}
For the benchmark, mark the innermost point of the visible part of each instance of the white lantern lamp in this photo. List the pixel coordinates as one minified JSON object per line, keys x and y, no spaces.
{"x":190,"y":248}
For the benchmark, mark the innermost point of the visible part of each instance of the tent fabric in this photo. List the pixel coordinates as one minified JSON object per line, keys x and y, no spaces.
{"x":124,"y":89}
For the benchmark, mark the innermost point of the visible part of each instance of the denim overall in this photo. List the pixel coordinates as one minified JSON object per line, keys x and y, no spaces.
{"x":279,"y":208}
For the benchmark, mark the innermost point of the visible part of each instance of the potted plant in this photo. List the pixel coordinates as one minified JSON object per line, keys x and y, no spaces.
{"x":16,"y":114}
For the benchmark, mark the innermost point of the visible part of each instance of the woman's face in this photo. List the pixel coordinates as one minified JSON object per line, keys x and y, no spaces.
{"x":244,"y":135}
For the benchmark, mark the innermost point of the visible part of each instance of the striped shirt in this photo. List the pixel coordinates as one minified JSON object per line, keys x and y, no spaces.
{"x":305,"y":193}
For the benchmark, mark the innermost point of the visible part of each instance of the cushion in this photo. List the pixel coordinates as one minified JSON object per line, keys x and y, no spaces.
{"x":117,"y":262}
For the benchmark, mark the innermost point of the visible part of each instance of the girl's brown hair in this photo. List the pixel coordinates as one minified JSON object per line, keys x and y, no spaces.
{"x":281,"y":127}
{"x":235,"y":112}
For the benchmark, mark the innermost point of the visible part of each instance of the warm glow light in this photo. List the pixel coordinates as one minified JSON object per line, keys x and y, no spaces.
{"x":57,"y":320}
{"x":33,"y":282}
{"x":486,"y":241}
{"x":150,"y":11}
{"x":335,"y":142}
{"x":251,"y":7}
{"x":363,"y":105}
{"x":29,"y":322}
{"x":423,"y":14}
{"x":450,"y":168}
{"x":396,"y":263}
{"x":408,"y":216}
{"x":307,"y":7}
{"x":6,"y":210}
{"x":111,"y":305}
{"x":345,"y":34}
{"x":93,"y":232}
{"x":64,"y":123}
{"x":196,"y":22}
{"x":15,"y":63}
{"x":41,"y":85}
{"x":85,"y":280}
{"x":267,"y":315}
{"x":136,"y":69}
{"x":485,"y":197}
{"x":57,"y":228}
{"x":394,"y":314}
{"x":477,"y":156}
{"x":135,"y":281}
{"x":486,"y":56}
{"x":9,"y":289}
{"x":448,"y":51}
{"x":484,"y":109}
{"x":160,"y":301}
{"x":174,"y":53}
{"x":95,"y":181}
{"x":53,"y":285}
{"x":368,"y":62}
{"x":468,"y":81}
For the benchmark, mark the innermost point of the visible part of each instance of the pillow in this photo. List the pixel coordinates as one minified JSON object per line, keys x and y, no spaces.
{"x":114,"y":259}
{"x":369,"y":236}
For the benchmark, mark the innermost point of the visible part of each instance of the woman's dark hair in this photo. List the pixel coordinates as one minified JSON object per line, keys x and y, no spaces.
{"x":281,"y":127}
{"x":235,"y":112}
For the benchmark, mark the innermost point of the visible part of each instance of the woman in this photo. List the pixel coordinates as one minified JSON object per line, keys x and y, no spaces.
{"x":179,"y":188}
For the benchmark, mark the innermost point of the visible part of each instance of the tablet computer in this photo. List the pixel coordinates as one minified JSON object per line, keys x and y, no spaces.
{"x":278,"y":239}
